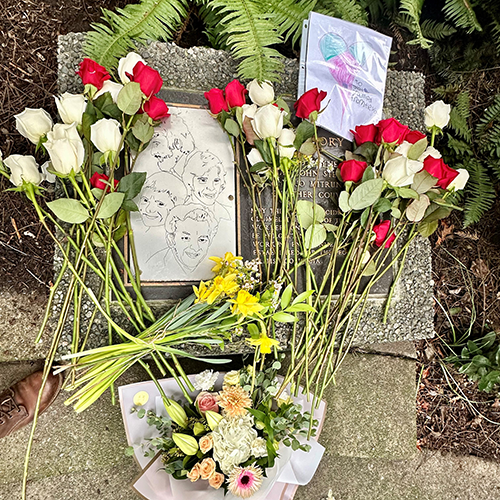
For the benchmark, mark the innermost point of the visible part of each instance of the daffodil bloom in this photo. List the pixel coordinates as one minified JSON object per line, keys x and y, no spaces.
{"x":228,"y":260}
{"x":264,"y":342}
{"x":201,"y":293}
{"x":246,"y":304}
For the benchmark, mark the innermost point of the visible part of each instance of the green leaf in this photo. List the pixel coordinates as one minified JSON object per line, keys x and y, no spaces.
{"x":97,"y":193}
{"x":143,"y":131}
{"x":97,"y":240}
{"x":330,"y":227}
{"x":309,"y":213}
{"x":405,"y":192}
{"x":427,"y":228}
{"x":129,"y":451}
{"x":232,"y":127}
{"x":368,"y":174}
{"x":480,"y":361}
{"x":284,"y":317}
{"x":366,"y":194}
{"x":364,"y":217}
{"x":423,"y":181}
{"x":302,"y":297}
{"x":300,"y":308}
{"x":130,"y":206}
{"x":315,"y":235}
{"x":416,"y":209}
{"x":304,"y":131}
{"x":369,"y":151}
{"x":395,"y":212}
{"x":120,"y":233}
{"x":344,"y":202}
{"x":253,"y":330}
{"x":308,"y":148}
{"x":382,"y":205}
{"x":129,"y":98}
{"x":69,"y":210}
{"x":435,"y":212}
{"x":131,"y":184}
{"x":110,"y":205}
{"x":417,"y":149}
{"x":262,"y":147}
{"x":370,"y":269}
{"x":286,"y":296}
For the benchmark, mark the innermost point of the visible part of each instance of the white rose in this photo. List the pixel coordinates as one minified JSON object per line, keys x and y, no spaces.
{"x":254,"y":156}
{"x":459,"y":181}
{"x":71,"y":107}
{"x":403,"y":148}
{"x":65,"y":149}
{"x":106,"y":135}
{"x":268,"y":121}
{"x":430,"y":151}
{"x":33,"y":124}
{"x":260,"y":93}
{"x":437,"y":115}
{"x":23,"y":168}
{"x":400,"y":171}
{"x":46,"y":175}
{"x":249,"y":110}
{"x":126,"y":65}
{"x":111,"y":87}
{"x":259,"y":447}
{"x":285,"y":143}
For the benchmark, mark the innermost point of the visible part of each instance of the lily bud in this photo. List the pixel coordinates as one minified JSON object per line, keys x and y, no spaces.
{"x":176,"y":413}
{"x":213,"y":419}
{"x":198,"y":428}
{"x":187,"y":444}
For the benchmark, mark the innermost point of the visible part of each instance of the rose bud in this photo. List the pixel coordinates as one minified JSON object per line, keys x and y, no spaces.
{"x":437,"y":115}
{"x":187,"y":444}
{"x":285,"y":143}
{"x":148,"y":78}
{"x":106,"y":136}
{"x":207,"y":468}
{"x":213,"y":419}
{"x":352,"y":170}
{"x":391,"y":131}
{"x":381,"y":231}
{"x":260,"y":93}
{"x":65,"y":148}
{"x":126,"y":65}
{"x":97,"y":181}
{"x":235,"y":94}
{"x":71,"y":107}
{"x":156,"y":108}
{"x":217,"y":480}
{"x":111,"y":87}
{"x":308,"y":103}
{"x":438,"y":168}
{"x":194,"y":474}
{"x":176,"y":413}
{"x":268,"y":121}
{"x":216,"y":101}
{"x":92,"y":73}
{"x":206,"y":401}
{"x":23,"y":168}
{"x":414,"y":136}
{"x":206,"y":443}
{"x":364,"y":133}
{"x":33,"y":124}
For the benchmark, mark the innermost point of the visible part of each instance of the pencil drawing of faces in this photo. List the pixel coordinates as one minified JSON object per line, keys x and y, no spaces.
{"x":189,"y":230}
{"x":161,"y":192}
{"x":204,"y":176}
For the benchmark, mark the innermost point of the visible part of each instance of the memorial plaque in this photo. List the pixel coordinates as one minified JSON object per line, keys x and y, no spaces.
{"x":194,"y":205}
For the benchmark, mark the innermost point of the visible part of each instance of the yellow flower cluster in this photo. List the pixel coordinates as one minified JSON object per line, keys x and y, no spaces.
{"x":210,"y":291}
{"x":229,"y":261}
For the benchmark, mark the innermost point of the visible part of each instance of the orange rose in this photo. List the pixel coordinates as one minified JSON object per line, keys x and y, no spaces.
{"x":206,"y":443}
{"x":216,"y":480}
{"x":207,"y":468}
{"x":194,"y":474}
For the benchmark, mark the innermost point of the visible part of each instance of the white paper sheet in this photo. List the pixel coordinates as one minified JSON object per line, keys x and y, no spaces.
{"x":349,"y":62}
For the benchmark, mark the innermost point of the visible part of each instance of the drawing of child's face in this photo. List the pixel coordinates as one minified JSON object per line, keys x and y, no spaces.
{"x":191,"y":242}
{"x":208,"y":185}
{"x":154,"y":206}
{"x":159,"y":148}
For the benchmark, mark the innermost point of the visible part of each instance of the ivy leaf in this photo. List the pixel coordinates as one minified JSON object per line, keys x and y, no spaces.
{"x":366,"y":194}
{"x":110,"y":205}
{"x":129,"y":98}
{"x":69,"y":210}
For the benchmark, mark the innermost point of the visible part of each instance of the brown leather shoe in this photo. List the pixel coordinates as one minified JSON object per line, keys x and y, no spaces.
{"x":18,"y":403}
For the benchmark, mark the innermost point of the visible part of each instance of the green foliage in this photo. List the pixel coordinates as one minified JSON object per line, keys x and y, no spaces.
{"x":349,"y":10}
{"x":461,"y":13}
{"x":412,"y":9}
{"x":435,"y":30}
{"x":136,"y":23}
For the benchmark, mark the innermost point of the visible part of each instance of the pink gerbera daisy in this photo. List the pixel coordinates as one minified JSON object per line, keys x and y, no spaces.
{"x":245,"y":481}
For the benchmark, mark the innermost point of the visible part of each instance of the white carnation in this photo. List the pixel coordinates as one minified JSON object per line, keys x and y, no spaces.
{"x":205,"y":381}
{"x":259,"y":447}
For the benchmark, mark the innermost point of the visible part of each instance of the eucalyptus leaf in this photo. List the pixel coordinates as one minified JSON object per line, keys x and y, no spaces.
{"x":69,"y":210}
{"x":366,"y":194}
{"x":344,"y":202}
{"x":309,"y":213}
{"x":315,"y":235}
{"x":110,"y":205}
{"x":129,"y":98}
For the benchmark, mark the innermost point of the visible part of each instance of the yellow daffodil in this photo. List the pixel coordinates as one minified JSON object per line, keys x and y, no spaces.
{"x":201,"y":292}
{"x":264,"y":342}
{"x":246,"y":304}
{"x":228,"y":260}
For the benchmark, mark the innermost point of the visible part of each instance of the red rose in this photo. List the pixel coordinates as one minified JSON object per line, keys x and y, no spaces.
{"x":148,"y":78}
{"x":438,"y":168}
{"x":391,"y":130}
{"x":381,"y":231}
{"x":414,"y":136}
{"x":97,"y":179}
{"x":206,"y":401}
{"x":352,"y":170}
{"x":93,"y":73}
{"x":309,"y":102}
{"x":364,"y":133}
{"x":216,"y":101}
{"x":235,"y":94}
{"x":156,"y":108}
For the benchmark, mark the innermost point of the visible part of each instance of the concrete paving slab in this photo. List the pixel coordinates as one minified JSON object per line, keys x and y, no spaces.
{"x":403,"y":349}
{"x":371,"y":410}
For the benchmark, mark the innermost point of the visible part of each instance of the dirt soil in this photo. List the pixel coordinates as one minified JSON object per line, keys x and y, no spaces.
{"x":28,"y":72}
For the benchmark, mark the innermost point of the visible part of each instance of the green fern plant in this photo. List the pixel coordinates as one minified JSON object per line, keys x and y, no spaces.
{"x":461,"y":13}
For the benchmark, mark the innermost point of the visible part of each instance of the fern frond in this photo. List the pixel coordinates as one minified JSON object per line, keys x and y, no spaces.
{"x":379,"y":9}
{"x":413,"y":9}
{"x":480,"y":192}
{"x":250,"y":32}
{"x":495,"y":28}
{"x":289,"y":15}
{"x":459,"y":116}
{"x":348,"y":10}
{"x":213,"y":26}
{"x":445,"y":91}
{"x":488,"y":127}
{"x":461,"y":13}
{"x":436,"y":30}
{"x":459,"y":147}
{"x":150,"y":19}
